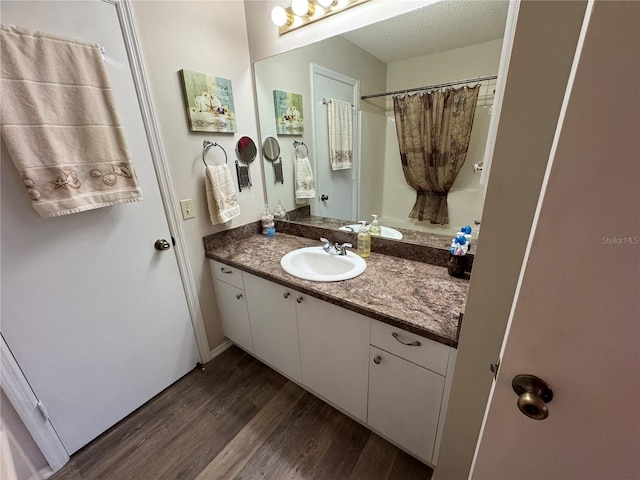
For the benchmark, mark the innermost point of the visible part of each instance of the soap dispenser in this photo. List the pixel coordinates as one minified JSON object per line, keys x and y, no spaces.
{"x":375,"y":229}
{"x":364,"y":240}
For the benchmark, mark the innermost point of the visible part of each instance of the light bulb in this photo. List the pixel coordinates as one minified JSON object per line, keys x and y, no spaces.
{"x":327,"y":3}
{"x":279,"y":16}
{"x":300,"y":7}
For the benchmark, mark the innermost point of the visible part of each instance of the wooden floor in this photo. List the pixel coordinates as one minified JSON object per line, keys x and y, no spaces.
{"x":239,"y":419}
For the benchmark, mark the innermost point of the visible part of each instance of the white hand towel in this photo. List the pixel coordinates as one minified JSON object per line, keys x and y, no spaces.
{"x":221,"y":194}
{"x":60,"y":124}
{"x":340,"y":116}
{"x":305,"y":181}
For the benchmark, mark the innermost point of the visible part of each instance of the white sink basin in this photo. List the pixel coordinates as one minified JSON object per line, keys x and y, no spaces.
{"x":386,"y":232}
{"x":313,"y":263}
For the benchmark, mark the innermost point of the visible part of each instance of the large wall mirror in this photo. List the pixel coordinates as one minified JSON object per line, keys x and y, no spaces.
{"x":443,"y":42}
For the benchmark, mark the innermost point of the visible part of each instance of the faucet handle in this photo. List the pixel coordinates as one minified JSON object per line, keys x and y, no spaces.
{"x":326,"y":245}
{"x":343,"y":248}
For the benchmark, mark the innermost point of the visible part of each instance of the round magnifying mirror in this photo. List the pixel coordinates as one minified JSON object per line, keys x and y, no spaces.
{"x":246,"y":149}
{"x":271,"y":149}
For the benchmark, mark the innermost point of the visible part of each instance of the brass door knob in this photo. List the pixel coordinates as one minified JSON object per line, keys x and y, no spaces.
{"x":162,"y":244}
{"x":533,"y":396}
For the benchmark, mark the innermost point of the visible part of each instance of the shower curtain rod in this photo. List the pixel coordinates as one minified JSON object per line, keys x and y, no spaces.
{"x":430,"y":87}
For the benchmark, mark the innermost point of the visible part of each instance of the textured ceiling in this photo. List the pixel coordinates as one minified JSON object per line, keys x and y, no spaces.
{"x":438,"y":27}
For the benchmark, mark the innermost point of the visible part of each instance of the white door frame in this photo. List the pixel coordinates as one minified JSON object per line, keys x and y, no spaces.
{"x":30,"y":411}
{"x":14,"y":383}
{"x":319,"y":70}
{"x":162,"y":173}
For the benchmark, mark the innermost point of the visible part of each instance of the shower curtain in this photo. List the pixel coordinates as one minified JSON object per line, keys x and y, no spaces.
{"x":434,"y":130}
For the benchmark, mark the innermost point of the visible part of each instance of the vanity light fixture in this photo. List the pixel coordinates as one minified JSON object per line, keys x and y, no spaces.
{"x":280,"y":17}
{"x":304,"y":12}
{"x":302,"y":8}
{"x":327,"y":3}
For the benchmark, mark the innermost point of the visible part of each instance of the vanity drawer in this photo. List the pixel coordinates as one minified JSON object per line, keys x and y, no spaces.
{"x":227,"y":274}
{"x":428,"y":354}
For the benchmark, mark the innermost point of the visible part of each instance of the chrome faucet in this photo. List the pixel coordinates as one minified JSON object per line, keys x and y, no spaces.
{"x":336,"y":248}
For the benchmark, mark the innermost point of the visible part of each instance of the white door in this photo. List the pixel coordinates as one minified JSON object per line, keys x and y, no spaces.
{"x":337,"y":186}
{"x":95,"y":316}
{"x":576,"y":321}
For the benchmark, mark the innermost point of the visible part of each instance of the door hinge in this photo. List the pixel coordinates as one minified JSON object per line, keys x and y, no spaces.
{"x":494,"y":367}
{"x":43,"y":410}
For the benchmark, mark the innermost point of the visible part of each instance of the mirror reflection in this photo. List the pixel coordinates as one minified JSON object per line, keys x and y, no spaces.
{"x":271,"y":149}
{"x":440,"y":43}
{"x":246,"y":149}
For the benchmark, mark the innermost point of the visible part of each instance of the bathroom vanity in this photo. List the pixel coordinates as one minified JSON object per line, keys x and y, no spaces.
{"x":379,"y":347}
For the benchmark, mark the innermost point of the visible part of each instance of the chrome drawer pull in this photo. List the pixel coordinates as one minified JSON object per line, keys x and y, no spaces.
{"x":225,"y":271}
{"x":412,"y":344}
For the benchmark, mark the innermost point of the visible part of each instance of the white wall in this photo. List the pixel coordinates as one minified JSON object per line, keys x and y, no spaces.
{"x":372,"y":145}
{"x":291,"y":72}
{"x":466,"y":197}
{"x":209,"y":37}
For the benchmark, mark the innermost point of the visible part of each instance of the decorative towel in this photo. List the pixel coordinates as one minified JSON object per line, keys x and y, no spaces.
{"x":340,"y":115}
{"x":60,"y":124}
{"x":221,"y":194}
{"x":305,"y":182}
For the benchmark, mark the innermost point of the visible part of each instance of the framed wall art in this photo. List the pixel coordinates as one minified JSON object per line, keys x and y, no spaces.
{"x":288,"y":110}
{"x":209,"y":102}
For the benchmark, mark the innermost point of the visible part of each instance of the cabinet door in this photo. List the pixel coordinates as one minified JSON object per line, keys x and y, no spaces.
{"x":404,"y":402}
{"x":233,"y":313}
{"x":334,"y":354}
{"x":272,"y":314}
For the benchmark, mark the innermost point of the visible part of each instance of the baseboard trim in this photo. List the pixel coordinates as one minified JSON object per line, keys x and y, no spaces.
{"x":220,"y":348}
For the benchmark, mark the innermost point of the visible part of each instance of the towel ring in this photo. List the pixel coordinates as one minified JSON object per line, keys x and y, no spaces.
{"x":206,"y":145}
{"x":297,"y":144}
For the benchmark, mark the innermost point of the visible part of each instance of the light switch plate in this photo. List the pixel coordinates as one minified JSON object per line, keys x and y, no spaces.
{"x":187,"y":209}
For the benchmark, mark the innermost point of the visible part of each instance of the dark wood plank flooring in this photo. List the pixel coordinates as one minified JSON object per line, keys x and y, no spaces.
{"x":239,"y":419}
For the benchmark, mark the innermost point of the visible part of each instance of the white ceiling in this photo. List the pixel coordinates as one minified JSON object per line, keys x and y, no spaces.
{"x":438,"y":27}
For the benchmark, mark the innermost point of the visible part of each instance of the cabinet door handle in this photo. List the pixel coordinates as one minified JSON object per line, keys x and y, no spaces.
{"x":410,"y":344}
{"x":299,"y":299}
{"x":377,"y":359}
{"x":223,"y":270}
{"x":286,"y":294}
{"x":239,"y":296}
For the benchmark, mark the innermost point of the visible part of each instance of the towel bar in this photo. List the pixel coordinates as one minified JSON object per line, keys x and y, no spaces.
{"x":206,"y":145}
{"x":297,"y":144}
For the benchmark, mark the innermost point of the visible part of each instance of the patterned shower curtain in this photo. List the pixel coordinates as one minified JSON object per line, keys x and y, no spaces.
{"x":434,"y":130}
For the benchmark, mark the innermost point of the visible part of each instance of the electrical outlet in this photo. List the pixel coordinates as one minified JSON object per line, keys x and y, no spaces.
{"x":187,"y":209}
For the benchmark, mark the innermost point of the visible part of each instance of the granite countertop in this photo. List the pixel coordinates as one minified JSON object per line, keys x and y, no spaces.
{"x":418,"y":297}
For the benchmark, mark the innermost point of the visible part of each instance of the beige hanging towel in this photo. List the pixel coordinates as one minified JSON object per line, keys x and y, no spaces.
{"x":221,"y":194}
{"x":305,"y":181}
{"x":340,"y":134}
{"x":60,"y":124}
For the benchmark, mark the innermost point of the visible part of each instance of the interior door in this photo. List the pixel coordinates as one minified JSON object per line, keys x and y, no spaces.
{"x":575,"y":321}
{"x":336,"y":187}
{"x":95,"y":316}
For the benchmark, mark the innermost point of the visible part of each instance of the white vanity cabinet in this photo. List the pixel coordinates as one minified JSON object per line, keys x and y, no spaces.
{"x":232,"y":304}
{"x":272,"y":315}
{"x":334,"y":353}
{"x":394,"y":381}
{"x":406,"y":388}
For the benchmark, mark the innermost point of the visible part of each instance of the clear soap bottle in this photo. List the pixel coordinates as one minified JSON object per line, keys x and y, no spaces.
{"x":364,"y":240}
{"x":375,"y":229}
